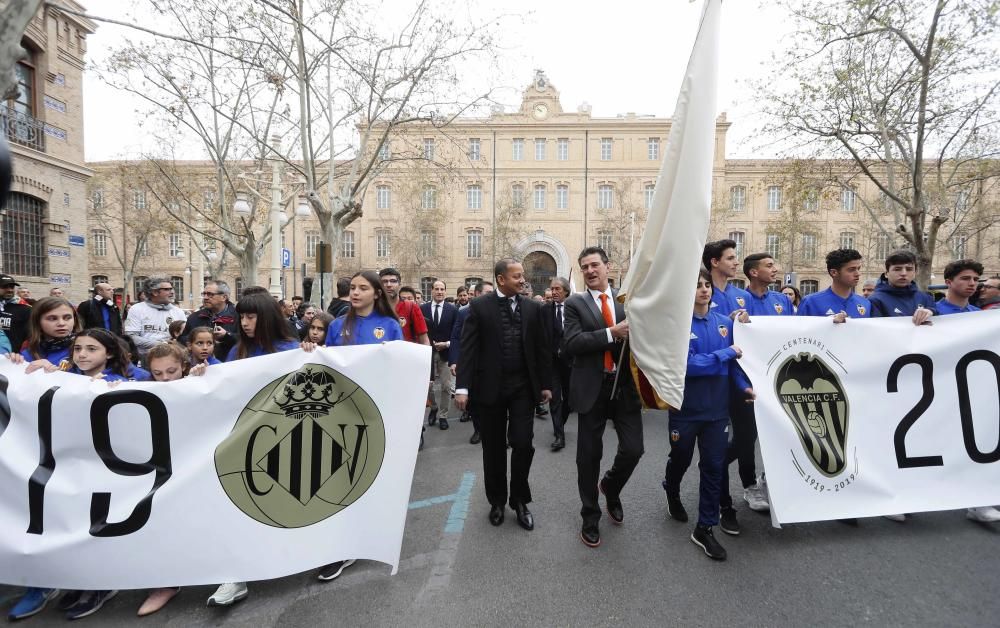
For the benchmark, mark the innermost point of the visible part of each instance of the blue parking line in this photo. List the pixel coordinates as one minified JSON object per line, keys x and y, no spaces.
{"x":433,"y":501}
{"x":460,"y":508}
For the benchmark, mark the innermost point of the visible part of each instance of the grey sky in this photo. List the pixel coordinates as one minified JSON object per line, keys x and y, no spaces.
{"x":622,"y":56}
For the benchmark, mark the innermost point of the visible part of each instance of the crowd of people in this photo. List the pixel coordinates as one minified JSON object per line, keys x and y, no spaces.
{"x":502,"y":358}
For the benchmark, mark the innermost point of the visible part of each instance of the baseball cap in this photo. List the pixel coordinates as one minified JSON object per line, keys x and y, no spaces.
{"x":6,"y":280}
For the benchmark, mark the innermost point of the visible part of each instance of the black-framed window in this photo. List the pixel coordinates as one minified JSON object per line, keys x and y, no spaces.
{"x":24,"y":252}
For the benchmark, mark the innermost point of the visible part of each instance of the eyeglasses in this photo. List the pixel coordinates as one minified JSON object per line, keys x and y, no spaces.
{"x":212,"y":294}
{"x":389,"y":280}
{"x":164,"y":289}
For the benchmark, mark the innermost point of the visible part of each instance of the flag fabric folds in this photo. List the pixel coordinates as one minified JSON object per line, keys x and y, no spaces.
{"x":658,"y":290}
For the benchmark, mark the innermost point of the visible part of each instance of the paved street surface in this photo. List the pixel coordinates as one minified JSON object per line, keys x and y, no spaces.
{"x":938,"y":569}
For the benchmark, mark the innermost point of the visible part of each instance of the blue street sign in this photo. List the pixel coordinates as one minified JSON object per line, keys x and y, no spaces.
{"x":286,"y":258}
{"x":76,"y":240}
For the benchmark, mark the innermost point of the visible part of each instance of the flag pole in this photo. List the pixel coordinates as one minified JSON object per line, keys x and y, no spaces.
{"x":621,"y":356}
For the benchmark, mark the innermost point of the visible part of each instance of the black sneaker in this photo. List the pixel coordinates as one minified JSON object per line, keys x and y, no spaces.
{"x":69,"y":600}
{"x":333,"y":570}
{"x":675,"y":509}
{"x":703,"y":538}
{"x":432,"y":417}
{"x":89,"y":603}
{"x":728,"y":522}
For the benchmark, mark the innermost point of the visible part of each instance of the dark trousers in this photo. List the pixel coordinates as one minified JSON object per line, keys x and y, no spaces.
{"x":626,"y":414}
{"x":559,"y":406}
{"x":711,"y":438}
{"x":512,"y":416}
{"x":741,"y":447}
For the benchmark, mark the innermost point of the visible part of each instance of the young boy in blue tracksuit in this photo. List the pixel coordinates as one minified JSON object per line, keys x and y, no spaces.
{"x":703,"y":418}
{"x":896,"y":293}
{"x":839,"y":300}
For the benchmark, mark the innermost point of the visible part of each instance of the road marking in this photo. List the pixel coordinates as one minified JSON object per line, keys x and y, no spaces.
{"x":459,"y":507}
{"x":444,"y":557}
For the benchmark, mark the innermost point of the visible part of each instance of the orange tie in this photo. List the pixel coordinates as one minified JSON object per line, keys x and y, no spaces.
{"x":609,"y":360}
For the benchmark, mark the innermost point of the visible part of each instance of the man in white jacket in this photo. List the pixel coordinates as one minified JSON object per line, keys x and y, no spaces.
{"x":148,"y":322}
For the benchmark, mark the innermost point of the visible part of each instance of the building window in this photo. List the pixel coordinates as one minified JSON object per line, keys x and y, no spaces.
{"x":99,"y":242}
{"x":847,"y":200}
{"x":474,"y":243}
{"x":385,"y":151}
{"x":208,"y":198}
{"x":847,"y":239}
{"x":96,"y":279}
{"x":606,"y":149}
{"x":139,"y":199}
{"x":738,"y":283}
{"x":428,"y":198}
{"x":428,"y":243}
{"x":605,"y":240}
{"x":738,"y":198}
{"x":138,"y":285}
{"x":811,"y":202}
{"x":809,"y":248}
{"x":653,"y":148}
{"x":174,"y":245}
{"x":426,"y":285}
{"x":539,"y":196}
{"x":605,"y":196}
{"x":347,"y":244}
{"x":517,"y":149}
{"x":474,"y":196}
{"x":517,"y":196}
{"x":961,"y":202}
{"x":774,"y":199}
{"x":143,"y":246}
{"x":383,"y":238}
{"x":773,"y":247}
{"x":562,"y":196}
{"x":648,"y":192}
{"x":474,"y":149}
{"x":25,"y":101}
{"x":539,"y":149}
{"x":562,"y":149}
{"x":472,"y":282}
{"x":808,"y":286}
{"x":24,"y":247}
{"x":739,"y":238}
{"x":429,"y":148}
{"x":178,"y":284}
{"x":882,"y":245}
{"x":383,"y":197}
{"x":97,"y":198}
{"x":312,"y":242}
{"x":959,"y":240}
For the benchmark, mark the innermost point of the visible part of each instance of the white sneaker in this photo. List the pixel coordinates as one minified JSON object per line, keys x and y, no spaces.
{"x":228,"y":594}
{"x":986,"y":514}
{"x":896,"y":518}
{"x":756,"y":498}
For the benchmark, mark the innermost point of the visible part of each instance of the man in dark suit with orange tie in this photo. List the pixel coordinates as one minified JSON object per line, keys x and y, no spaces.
{"x":504,"y":370}
{"x":594,"y":337}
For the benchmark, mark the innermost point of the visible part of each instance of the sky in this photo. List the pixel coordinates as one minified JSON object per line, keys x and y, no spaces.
{"x":622,"y":56}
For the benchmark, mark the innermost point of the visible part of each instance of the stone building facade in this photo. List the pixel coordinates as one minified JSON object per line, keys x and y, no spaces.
{"x":43,"y":227}
{"x":540,"y":183}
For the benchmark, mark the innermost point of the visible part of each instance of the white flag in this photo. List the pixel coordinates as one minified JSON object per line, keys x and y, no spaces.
{"x":660,"y":284}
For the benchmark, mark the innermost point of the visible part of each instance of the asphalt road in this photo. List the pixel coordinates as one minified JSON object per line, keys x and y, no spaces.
{"x":937,"y":569}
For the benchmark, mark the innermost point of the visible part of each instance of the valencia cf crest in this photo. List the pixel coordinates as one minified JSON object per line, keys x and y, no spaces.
{"x":308,"y":445}
{"x":379,"y":333}
{"x":741,"y":301}
{"x":674,"y":436}
{"x":814,"y":399}
{"x":402,"y":321}
{"x":778,"y":308}
{"x":861,"y":309}
{"x":723,"y":331}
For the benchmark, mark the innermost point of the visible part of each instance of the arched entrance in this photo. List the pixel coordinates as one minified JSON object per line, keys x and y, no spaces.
{"x":539,"y":269}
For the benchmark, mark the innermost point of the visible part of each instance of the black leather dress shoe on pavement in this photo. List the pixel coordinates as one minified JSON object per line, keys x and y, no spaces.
{"x":496,"y":515}
{"x":524,"y":518}
{"x":558,"y":443}
{"x":432,"y":417}
{"x":591,"y":536}
{"x":615,"y":510}
{"x":475,"y":438}
{"x":443,"y":423}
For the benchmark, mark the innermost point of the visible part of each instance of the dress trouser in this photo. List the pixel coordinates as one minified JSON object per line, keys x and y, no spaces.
{"x":711,"y":438}
{"x":441,"y":390}
{"x":559,"y":406}
{"x":627,"y":417}
{"x":741,"y":447}
{"x":512,"y":416}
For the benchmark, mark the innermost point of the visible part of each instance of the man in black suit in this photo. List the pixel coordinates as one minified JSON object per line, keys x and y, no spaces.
{"x":594,"y":337}
{"x":554,"y":316}
{"x":440,"y":316}
{"x":100,"y":311}
{"x":505,"y":369}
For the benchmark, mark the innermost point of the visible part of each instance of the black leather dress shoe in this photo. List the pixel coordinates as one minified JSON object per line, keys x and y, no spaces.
{"x":558,"y":443}
{"x":591,"y":536}
{"x":443,"y":423}
{"x":465,"y":418}
{"x":475,"y":438}
{"x":496,"y":515}
{"x":432,"y":417}
{"x":614,"y":503}
{"x":524,"y":518}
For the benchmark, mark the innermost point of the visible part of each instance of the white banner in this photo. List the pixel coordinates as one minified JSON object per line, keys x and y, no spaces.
{"x":261,"y":468}
{"x":876,"y":416}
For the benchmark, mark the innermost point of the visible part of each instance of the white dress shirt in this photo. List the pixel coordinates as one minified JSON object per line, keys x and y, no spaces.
{"x":596,"y":296}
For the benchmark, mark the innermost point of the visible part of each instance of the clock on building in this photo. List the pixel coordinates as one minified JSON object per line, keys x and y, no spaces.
{"x":540,"y":111}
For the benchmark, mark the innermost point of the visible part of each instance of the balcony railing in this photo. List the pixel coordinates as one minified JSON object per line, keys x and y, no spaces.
{"x":23,"y":128}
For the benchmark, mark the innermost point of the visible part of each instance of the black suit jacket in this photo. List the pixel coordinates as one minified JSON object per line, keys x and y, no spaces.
{"x":552,"y":327}
{"x":481,"y":353}
{"x":91,"y":315}
{"x":440,"y":332}
{"x":585,"y":339}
